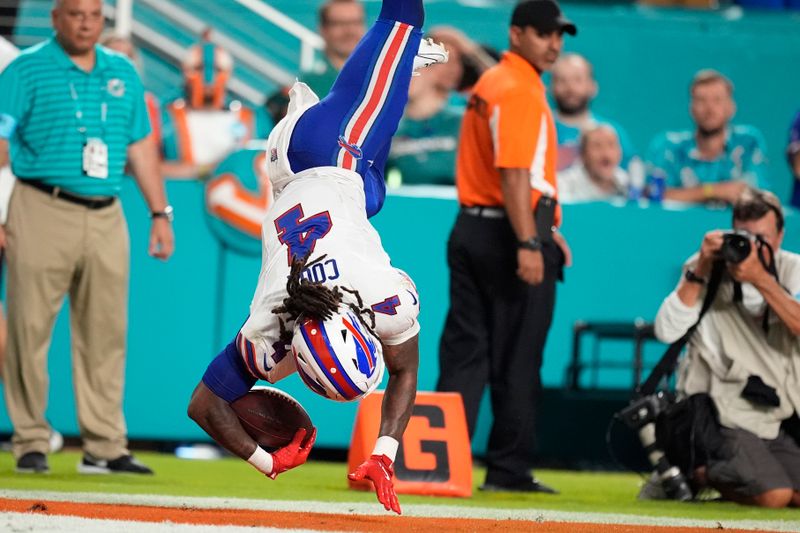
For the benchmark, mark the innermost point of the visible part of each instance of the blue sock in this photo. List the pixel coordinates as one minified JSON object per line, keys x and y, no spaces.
{"x":408,"y":11}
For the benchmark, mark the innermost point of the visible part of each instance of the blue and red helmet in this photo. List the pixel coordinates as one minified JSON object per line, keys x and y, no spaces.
{"x":338,"y":358}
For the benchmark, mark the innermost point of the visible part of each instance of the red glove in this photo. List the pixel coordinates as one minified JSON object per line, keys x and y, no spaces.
{"x":293,"y":454}
{"x":379,"y":470}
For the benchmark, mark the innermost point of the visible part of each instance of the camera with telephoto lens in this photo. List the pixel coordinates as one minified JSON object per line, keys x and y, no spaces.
{"x":736,"y":246}
{"x":641,"y":416}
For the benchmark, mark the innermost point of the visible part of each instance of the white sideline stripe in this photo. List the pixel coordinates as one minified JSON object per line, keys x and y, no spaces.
{"x":420,"y":510}
{"x":61,"y":524}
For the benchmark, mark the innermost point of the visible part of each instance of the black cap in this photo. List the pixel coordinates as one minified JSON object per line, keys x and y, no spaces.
{"x":544,"y":15}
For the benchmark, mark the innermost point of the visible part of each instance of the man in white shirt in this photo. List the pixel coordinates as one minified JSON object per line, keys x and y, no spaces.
{"x":598,"y":176}
{"x":745,"y":354}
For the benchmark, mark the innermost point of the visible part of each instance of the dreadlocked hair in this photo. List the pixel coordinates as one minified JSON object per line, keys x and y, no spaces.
{"x":307,"y":298}
{"x":314,"y":300}
{"x":362,"y":311}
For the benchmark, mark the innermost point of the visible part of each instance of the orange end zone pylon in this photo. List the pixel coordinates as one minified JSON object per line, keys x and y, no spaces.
{"x":434,"y":457}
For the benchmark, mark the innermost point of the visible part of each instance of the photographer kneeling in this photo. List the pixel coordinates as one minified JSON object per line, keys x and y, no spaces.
{"x":745,"y":353}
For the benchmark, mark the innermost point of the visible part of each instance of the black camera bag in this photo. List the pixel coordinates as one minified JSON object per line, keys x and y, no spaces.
{"x":688,"y":432}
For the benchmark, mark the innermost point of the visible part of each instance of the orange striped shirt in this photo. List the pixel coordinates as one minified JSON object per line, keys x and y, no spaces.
{"x":508,"y":124}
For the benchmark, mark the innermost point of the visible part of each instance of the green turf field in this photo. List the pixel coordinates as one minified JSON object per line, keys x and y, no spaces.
{"x":582,"y":492}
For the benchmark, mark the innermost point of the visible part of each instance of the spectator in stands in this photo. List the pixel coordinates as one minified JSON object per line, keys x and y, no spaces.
{"x":66,"y":230}
{"x":573,"y":87}
{"x":341,"y":25}
{"x":597,"y":175}
{"x":124,"y":46}
{"x":204,"y":126}
{"x":424,"y":147}
{"x":745,"y":354}
{"x":468,"y":59}
{"x":715,"y":162}
{"x":793,"y":153}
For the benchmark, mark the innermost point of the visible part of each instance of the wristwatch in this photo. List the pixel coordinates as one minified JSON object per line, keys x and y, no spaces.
{"x":533,"y":244}
{"x":166,"y":213}
{"x":691,"y":277}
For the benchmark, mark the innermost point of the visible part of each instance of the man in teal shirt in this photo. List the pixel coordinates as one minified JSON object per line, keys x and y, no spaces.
{"x":573,"y":87}
{"x":71,"y":117}
{"x":717,"y":160}
{"x":341,"y":25}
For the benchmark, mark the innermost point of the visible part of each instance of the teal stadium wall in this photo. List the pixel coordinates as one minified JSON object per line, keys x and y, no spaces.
{"x":627,"y":258}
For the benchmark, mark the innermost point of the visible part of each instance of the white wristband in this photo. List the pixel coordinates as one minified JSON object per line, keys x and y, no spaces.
{"x":386,"y":446}
{"x":262,"y":460}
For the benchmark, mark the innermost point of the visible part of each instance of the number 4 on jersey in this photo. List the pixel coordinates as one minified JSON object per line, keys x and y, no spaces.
{"x":300,"y":234}
{"x":388,"y":306}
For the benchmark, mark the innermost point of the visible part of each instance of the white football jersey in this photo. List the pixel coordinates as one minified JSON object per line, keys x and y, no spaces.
{"x":321,"y":210}
{"x":301,"y":97}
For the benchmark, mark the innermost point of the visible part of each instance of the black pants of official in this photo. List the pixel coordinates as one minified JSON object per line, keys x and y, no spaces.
{"x":495,"y":333}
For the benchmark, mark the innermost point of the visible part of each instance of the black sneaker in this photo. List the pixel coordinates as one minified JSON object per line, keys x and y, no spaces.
{"x":124,"y":464}
{"x":33,"y":463}
{"x":528,"y":485}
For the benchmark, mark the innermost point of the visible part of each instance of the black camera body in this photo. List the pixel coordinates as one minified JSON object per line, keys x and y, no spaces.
{"x":645,"y":410}
{"x":736,"y":246}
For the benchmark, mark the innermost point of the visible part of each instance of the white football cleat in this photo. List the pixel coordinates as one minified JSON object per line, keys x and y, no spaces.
{"x":430,"y":53}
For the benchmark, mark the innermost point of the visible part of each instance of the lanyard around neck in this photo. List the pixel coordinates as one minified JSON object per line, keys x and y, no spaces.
{"x":79,"y":111}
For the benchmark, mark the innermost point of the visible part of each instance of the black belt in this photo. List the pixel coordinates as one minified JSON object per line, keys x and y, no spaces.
{"x":484,"y":211}
{"x":58,"y":192}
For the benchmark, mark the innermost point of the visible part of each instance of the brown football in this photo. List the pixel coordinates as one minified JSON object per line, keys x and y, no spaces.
{"x":271,"y":416}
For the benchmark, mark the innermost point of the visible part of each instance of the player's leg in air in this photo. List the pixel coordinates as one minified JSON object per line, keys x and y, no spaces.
{"x":352,"y":127}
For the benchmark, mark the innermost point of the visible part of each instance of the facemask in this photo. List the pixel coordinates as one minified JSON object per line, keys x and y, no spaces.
{"x":752,"y":300}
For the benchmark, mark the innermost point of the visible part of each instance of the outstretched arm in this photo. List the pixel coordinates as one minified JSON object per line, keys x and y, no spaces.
{"x":402,"y":361}
{"x":216,"y":417}
{"x":214,"y":414}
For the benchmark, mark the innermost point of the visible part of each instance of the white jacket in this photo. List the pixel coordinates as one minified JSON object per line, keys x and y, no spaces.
{"x":729,"y":345}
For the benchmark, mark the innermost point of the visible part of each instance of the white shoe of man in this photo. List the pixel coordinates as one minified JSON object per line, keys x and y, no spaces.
{"x":430,"y":53}
{"x":56,"y":441}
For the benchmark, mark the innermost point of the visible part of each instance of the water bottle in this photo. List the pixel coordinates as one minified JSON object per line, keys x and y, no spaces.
{"x":657,"y":185}
{"x":636,"y":176}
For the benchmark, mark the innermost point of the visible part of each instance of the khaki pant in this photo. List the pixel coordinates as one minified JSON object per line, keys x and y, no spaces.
{"x":55,"y":248}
